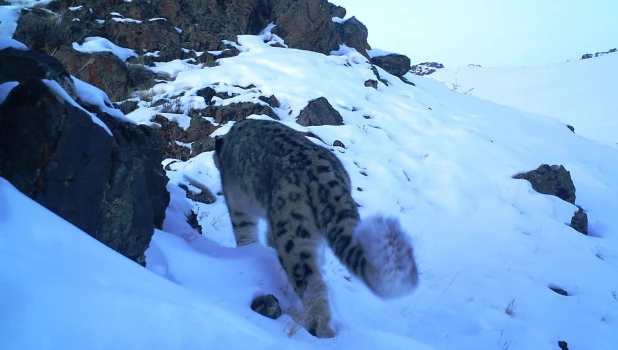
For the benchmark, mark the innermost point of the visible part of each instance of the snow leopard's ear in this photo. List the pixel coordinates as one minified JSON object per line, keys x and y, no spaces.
{"x":218,"y":144}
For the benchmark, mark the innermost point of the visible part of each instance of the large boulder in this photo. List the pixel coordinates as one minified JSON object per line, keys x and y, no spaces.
{"x":111,"y":186}
{"x":319,"y":112}
{"x":308,"y":25}
{"x":396,"y":64}
{"x":556,"y":180}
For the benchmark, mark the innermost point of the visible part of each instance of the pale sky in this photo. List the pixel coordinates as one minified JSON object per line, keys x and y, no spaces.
{"x":496,"y":33}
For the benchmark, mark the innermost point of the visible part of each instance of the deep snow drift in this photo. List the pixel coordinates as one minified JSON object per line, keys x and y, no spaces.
{"x":581,"y":93}
{"x":488,"y":246}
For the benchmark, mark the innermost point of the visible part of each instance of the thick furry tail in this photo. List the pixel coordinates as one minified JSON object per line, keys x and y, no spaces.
{"x":382,"y":256}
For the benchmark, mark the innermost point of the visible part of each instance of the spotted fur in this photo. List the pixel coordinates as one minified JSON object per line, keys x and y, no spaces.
{"x":271,"y":171}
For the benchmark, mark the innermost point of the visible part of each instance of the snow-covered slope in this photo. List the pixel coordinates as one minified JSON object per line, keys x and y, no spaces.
{"x":581,"y":93}
{"x":488,"y":246}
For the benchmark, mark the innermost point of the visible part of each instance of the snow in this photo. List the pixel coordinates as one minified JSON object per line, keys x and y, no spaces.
{"x":488,"y":246}
{"x":94,"y":96}
{"x":581,"y":93}
{"x":126,"y":20}
{"x":98,"y":44}
{"x":339,"y":20}
{"x":373,"y":53}
{"x":8,"y":42}
{"x":172,"y":68}
{"x":8,"y":22}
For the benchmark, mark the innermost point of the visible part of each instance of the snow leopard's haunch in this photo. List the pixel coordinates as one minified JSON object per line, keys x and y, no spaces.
{"x":271,"y":171}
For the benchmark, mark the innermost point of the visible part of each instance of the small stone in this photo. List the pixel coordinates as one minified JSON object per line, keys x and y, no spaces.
{"x":563,"y":345}
{"x":338,"y":143}
{"x":371,"y":83}
{"x":580,"y":221}
{"x":559,"y":291}
{"x":267,"y":305}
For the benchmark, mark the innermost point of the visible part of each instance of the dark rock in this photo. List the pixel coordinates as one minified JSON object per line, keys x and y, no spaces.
{"x":170,"y":132}
{"x":338,"y":143}
{"x":101,"y":69}
{"x":192,"y":220}
{"x":377,"y":74}
{"x":54,"y":5}
{"x":554,"y":180}
{"x":237,"y":111}
{"x":147,"y":36}
{"x":205,"y":196}
{"x":308,"y":25}
{"x":425,"y":68}
{"x":395,"y":64}
{"x":559,"y":291}
{"x":42,"y":31}
{"x":199,"y":128}
{"x":579,"y":222}
{"x":228,"y":52}
{"x":267,"y":305}
{"x":207,"y":93}
{"x":33,"y":65}
{"x":111,"y":187}
{"x":139,"y":77}
{"x":598,"y":54}
{"x":354,"y":34}
{"x":571,"y":128}
{"x":203,"y":145}
{"x":127,"y":107}
{"x":405,"y":80}
{"x":319,"y":112}
{"x":371,"y":83}
{"x":271,"y":100}
{"x":563,"y":345}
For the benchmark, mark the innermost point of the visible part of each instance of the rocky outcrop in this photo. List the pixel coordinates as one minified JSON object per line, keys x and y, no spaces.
{"x":203,"y":24}
{"x":158,"y":36}
{"x":598,"y":54}
{"x":556,"y":180}
{"x":319,"y":112}
{"x":111,"y":186}
{"x":425,"y":68}
{"x":395,"y":64}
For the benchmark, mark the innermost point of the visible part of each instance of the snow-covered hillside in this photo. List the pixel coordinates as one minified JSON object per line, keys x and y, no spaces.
{"x":489,"y":247}
{"x":581,"y":93}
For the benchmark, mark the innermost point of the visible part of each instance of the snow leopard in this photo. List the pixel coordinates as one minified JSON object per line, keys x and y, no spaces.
{"x":271,"y":171}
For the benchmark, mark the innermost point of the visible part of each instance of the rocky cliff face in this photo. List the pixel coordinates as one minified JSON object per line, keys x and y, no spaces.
{"x":161,"y":31}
